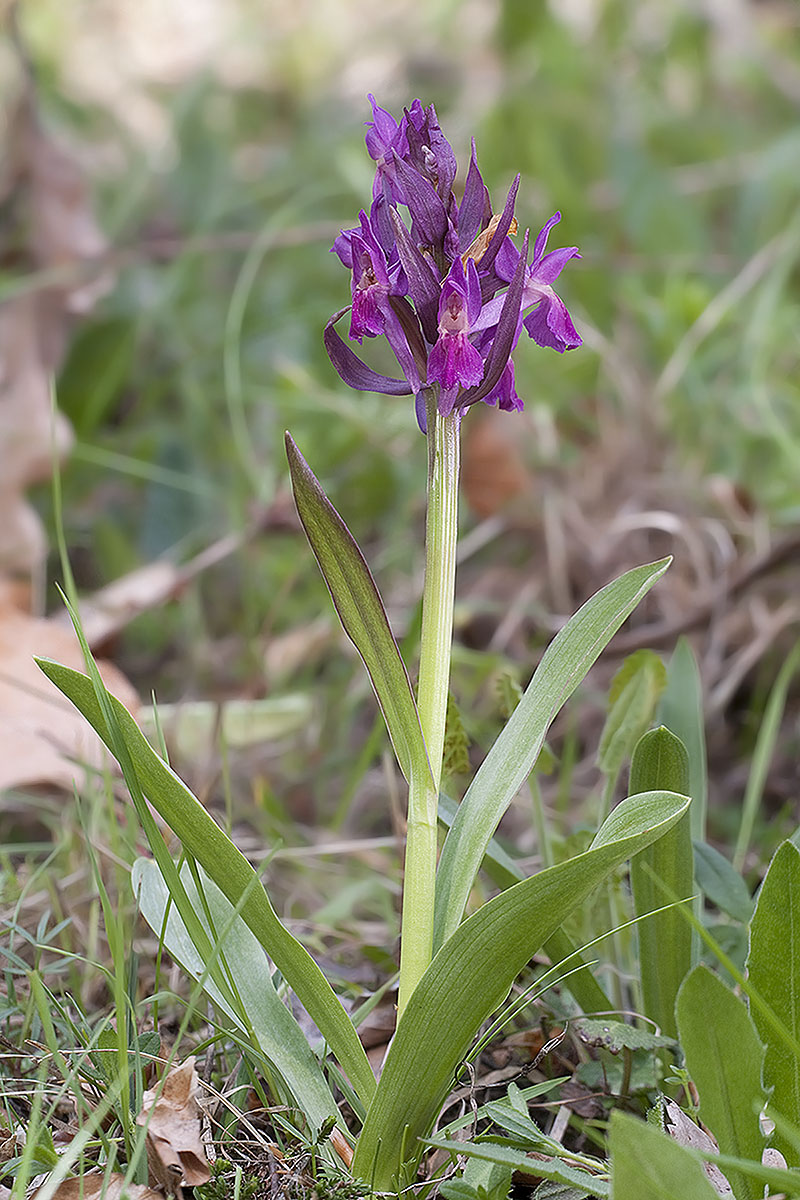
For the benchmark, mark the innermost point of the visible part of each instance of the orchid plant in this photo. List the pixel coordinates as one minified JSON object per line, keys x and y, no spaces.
{"x":445,"y":283}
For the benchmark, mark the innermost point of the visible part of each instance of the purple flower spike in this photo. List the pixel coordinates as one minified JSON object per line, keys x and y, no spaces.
{"x":443,"y":282}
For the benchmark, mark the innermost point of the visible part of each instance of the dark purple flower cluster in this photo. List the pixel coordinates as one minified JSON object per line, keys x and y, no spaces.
{"x":451,"y":292}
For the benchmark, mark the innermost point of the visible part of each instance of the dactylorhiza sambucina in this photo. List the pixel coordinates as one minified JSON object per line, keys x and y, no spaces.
{"x":451,"y":293}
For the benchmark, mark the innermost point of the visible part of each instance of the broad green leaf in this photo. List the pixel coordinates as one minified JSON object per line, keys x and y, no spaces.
{"x":362,"y":614}
{"x":681,"y":710}
{"x":773,"y":968}
{"x":721,"y":883}
{"x":724,"y":1058}
{"x":660,"y":875}
{"x":632,"y":700}
{"x":229,"y":869}
{"x":510,"y":760}
{"x":551,"y":1168}
{"x":257,"y":1009}
{"x":471,"y":975}
{"x":648,"y":1165}
{"x":504,"y":872}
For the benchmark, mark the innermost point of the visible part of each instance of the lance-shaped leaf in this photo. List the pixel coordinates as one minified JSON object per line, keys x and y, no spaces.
{"x":252,"y":1002}
{"x":226,"y":865}
{"x":362,"y":614}
{"x":559,"y":947}
{"x":470,"y":977}
{"x":773,"y":967}
{"x":661,"y":874}
{"x":724,"y":1058}
{"x":505,"y":768}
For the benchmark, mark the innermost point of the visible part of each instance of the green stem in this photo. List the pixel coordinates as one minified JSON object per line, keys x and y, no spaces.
{"x":441,"y":535}
{"x":436,"y":638}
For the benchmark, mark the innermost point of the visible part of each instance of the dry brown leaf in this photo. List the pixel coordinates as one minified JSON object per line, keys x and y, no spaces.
{"x":31,"y":435}
{"x":43,"y":737}
{"x":111,"y":1187}
{"x":684,"y":1131}
{"x":52,"y":226}
{"x":171,"y":1115}
{"x":59,"y":228}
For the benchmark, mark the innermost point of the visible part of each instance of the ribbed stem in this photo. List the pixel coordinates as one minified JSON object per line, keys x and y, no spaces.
{"x":441,"y":532}
{"x":441,"y":535}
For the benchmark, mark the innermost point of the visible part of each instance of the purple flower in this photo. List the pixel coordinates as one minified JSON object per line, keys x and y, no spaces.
{"x":549,"y":324}
{"x":446,"y":285}
{"x":371,"y":283}
{"x":454,"y":362}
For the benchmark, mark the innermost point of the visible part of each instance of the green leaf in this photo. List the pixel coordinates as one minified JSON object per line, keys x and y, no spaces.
{"x":724,"y":1058}
{"x":510,"y":760}
{"x":662,"y":874}
{"x":681,"y":710}
{"x":615,"y":1036}
{"x":648,"y":1165}
{"x":362,"y":614}
{"x":504,"y":872}
{"x":227,"y":866}
{"x":491,"y":1181}
{"x":632,"y":699}
{"x":721,"y":883}
{"x":773,"y":968}
{"x":552,"y":1168}
{"x":471,"y":975}
{"x":257,"y":1010}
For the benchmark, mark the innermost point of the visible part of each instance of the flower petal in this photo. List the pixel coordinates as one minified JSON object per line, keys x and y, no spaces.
{"x":355,"y":373}
{"x":475,"y":211}
{"x":427,"y":211}
{"x":551,"y":325}
{"x":548,"y":269}
{"x":543,"y":235}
